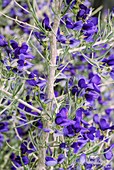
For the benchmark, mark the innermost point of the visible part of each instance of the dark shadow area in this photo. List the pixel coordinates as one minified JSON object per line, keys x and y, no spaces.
{"x":107,"y":4}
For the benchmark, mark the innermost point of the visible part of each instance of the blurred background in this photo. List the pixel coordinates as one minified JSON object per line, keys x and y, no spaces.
{"x":106,"y":4}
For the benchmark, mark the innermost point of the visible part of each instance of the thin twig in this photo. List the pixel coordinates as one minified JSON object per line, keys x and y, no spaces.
{"x":53,"y":49}
{"x":20,"y":100}
{"x":78,"y":49}
{"x":21,"y":22}
{"x":21,"y":6}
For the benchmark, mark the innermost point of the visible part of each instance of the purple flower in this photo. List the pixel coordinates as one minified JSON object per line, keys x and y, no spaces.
{"x":108,"y":111}
{"x":23,"y":64}
{"x":74,"y":90}
{"x":87,"y":3}
{"x":83,"y":12}
{"x":91,"y":96}
{"x":22,"y":131}
{"x":61,"y":118}
{"x":82,"y":159}
{"x":91,"y":89}
{"x":32,"y":79}
{"x":39,"y":124}
{"x":108,"y":155}
{"x":82,"y":83}
{"x":108,"y":167}
{"x":88,"y":166}
{"x":13,"y":168}
{"x":69,"y":131}
{"x":108,"y":152}
{"x":90,"y":28}
{"x":50,"y":161}
{"x":67,"y":40}
{"x":23,"y":50}
{"x":112,"y":13}
{"x":75,"y":146}
{"x":18,"y":161}
{"x":69,"y":23}
{"x":79,"y":113}
{"x":5,"y":3}
{"x":24,"y":148}
{"x":88,"y":37}
{"x":72,"y":3}
{"x":3,"y":42}
{"x":61,"y":159}
{"x":4,"y":127}
{"x":78,"y":25}
{"x":61,"y":38}
{"x":95,"y":79}
{"x":103,"y":124}
{"x":14,"y":44}
{"x":62,"y":115}
{"x":96,"y":118}
{"x":39,"y":35}
{"x":1,"y":140}
{"x":112,"y":73}
{"x":91,"y":133}
{"x":21,"y":106}
{"x":46,"y":23}
{"x":78,"y":145}
{"x":109,"y":61}
{"x":63,"y":146}
{"x":68,"y":1}
{"x":73,"y":42}
{"x":12,"y":12}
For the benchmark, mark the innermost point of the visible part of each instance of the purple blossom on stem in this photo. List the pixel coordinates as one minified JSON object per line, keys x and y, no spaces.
{"x":4,"y":127}
{"x":50,"y":161}
{"x":3,"y":42}
{"x":108,"y":152}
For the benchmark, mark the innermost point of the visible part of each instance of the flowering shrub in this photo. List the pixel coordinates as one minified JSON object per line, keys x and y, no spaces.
{"x":56,"y":86}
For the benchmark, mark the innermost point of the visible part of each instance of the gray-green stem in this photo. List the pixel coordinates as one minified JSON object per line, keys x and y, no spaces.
{"x":51,"y":78}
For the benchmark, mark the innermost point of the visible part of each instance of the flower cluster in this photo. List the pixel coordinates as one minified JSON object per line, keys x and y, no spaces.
{"x":74,"y":129}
